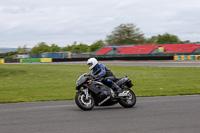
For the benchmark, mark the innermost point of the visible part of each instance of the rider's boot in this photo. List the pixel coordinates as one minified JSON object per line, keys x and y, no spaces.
{"x":116,"y":87}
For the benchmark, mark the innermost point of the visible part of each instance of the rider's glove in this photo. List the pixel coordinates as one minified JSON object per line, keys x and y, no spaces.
{"x":96,"y":76}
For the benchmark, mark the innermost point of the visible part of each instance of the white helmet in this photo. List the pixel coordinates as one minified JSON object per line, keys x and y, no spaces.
{"x":92,"y":62}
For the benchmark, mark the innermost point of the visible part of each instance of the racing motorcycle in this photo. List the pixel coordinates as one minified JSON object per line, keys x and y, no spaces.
{"x":92,"y":92}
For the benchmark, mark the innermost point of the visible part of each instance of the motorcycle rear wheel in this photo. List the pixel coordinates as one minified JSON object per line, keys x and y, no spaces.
{"x":82,"y":103}
{"x":128,"y":101}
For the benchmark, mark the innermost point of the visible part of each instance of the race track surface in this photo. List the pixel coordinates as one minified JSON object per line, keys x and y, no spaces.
{"x":156,"y":63}
{"x":167,"y":114}
{"x":195,"y":63}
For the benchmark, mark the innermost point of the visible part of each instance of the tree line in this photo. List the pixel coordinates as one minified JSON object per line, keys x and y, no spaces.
{"x":124,"y":34}
{"x":74,"y":48}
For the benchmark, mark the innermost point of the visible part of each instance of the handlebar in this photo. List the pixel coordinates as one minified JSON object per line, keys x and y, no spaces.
{"x":96,"y":78}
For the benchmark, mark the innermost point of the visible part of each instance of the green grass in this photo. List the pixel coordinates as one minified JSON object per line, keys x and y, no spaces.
{"x":43,"y":82}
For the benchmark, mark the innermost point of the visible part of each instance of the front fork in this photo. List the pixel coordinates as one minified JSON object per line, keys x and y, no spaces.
{"x":86,"y":93}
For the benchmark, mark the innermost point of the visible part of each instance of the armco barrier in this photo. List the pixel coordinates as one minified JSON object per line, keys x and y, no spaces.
{"x":46,"y":60}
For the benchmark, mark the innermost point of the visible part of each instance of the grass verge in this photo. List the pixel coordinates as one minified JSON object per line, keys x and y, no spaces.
{"x":44,"y":82}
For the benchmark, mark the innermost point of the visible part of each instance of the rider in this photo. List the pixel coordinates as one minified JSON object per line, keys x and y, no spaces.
{"x":105,"y":73}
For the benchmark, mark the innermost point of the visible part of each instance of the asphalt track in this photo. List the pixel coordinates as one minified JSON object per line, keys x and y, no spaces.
{"x":156,"y":63}
{"x":167,"y":114}
{"x":195,"y":63}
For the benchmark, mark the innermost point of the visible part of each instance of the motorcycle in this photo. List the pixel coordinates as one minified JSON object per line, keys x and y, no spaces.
{"x":92,"y":92}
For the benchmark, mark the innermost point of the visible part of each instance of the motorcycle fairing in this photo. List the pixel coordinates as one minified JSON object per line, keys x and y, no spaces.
{"x":99,"y":88}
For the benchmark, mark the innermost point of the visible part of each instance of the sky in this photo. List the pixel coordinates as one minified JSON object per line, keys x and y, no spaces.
{"x":62,"y":22}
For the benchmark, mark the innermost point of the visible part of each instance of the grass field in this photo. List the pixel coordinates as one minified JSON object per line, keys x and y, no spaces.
{"x":44,"y":82}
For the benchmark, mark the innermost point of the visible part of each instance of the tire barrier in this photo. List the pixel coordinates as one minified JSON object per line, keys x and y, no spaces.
{"x":187,"y":57}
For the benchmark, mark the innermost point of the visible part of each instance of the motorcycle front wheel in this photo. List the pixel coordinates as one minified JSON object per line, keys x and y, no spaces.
{"x":128,"y":101}
{"x":82,"y":102}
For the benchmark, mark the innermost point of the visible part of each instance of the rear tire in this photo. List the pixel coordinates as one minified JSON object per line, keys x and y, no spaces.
{"x":128,"y":101}
{"x":82,"y":103}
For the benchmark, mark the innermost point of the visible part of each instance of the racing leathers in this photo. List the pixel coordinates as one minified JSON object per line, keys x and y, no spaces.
{"x":108,"y":77}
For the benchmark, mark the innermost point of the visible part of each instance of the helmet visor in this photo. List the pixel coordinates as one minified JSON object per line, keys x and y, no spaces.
{"x":89,"y":64}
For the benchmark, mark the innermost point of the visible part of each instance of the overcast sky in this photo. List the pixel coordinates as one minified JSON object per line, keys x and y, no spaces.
{"x":64,"y":21}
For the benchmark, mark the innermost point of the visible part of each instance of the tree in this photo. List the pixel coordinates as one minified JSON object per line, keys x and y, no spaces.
{"x":152,"y":40}
{"x":54,"y":48}
{"x":69,"y":48}
{"x":40,"y":48}
{"x":186,"y":41}
{"x":125,"y":34}
{"x":96,"y":45}
{"x":167,"y":39}
{"x":21,"y":50}
{"x":75,"y":48}
{"x":81,"y":48}
{"x":8,"y":54}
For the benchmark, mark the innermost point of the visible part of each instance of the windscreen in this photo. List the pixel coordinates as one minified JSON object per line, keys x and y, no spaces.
{"x":82,"y":79}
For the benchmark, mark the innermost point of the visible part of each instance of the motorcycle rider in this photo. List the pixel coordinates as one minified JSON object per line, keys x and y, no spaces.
{"x":103,"y":72}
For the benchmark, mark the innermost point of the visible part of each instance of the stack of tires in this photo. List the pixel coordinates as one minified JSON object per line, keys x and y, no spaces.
{"x":187,"y":57}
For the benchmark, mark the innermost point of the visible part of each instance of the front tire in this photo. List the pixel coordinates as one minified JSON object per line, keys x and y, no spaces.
{"x":82,"y":103}
{"x":128,"y":101}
